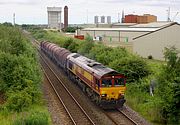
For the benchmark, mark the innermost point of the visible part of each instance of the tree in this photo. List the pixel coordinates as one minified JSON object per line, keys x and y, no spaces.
{"x":169,"y":86}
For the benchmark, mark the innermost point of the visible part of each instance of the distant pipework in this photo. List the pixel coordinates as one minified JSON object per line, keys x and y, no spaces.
{"x":65,"y":17}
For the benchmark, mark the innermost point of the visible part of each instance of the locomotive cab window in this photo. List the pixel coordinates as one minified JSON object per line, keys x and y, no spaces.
{"x":119,"y":82}
{"x":106,"y":82}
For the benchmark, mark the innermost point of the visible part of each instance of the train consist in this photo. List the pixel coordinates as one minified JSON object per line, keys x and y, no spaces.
{"x":103,"y":85}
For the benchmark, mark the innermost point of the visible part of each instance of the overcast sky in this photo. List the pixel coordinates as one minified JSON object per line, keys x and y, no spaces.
{"x":83,"y":11}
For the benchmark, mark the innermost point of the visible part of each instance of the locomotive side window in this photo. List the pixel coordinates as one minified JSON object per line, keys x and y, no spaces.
{"x":70,"y":65}
{"x":97,"y":83}
{"x":106,"y":83}
{"x":119,"y":82}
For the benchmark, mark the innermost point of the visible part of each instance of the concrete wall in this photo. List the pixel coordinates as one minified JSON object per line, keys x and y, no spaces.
{"x":113,"y":36}
{"x":154,"y":43}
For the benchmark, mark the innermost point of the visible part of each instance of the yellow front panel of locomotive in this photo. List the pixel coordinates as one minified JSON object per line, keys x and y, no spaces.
{"x":112,"y":92}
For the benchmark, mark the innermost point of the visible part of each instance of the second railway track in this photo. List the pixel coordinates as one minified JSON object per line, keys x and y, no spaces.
{"x":119,"y":118}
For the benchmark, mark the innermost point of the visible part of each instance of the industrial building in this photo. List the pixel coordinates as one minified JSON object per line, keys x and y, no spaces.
{"x":54,"y":17}
{"x":146,"y":18}
{"x":142,"y":39}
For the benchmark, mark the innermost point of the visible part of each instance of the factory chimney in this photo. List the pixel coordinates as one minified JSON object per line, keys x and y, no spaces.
{"x":65,"y":17}
{"x":122,"y":19}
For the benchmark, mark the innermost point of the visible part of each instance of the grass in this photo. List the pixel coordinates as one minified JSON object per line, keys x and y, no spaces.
{"x":34,"y":114}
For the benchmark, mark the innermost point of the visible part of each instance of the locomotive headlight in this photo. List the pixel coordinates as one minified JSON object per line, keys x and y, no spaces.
{"x":103,"y":95}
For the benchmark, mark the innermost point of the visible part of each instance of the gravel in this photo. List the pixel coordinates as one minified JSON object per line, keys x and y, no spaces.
{"x":55,"y":108}
{"x":134,"y":116}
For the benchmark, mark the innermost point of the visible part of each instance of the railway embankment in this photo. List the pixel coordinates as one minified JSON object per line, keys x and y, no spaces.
{"x":21,"y":100}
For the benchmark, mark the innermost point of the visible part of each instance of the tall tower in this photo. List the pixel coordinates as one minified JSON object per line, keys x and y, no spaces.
{"x":54,"y":17}
{"x":109,"y":19}
{"x":122,"y":19}
{"x":96,"y":20}
{"x":102,"y":19}
{"x":65,"y":17}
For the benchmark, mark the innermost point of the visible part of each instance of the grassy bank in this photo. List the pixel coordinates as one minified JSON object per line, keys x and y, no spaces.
{"x":20,"y":80}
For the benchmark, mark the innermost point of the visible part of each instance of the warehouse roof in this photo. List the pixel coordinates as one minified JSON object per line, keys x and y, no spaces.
{"x":159,"y":24}
{"x":122,"y":29}
{"x":124,"y":24}
{"x":162,"y":27}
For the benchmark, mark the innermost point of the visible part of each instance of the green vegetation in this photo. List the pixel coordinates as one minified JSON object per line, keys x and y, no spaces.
{"x":71,"y":29}
{"x":35,"y":118}
{"x":20,"y":77}
{"x":161,"y":107}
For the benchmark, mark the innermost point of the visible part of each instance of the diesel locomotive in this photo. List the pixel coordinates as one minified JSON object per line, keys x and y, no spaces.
{"x":105,"y":86}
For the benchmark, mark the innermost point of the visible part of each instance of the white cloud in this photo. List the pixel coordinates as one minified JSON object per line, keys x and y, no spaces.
{"x":34,"y":11}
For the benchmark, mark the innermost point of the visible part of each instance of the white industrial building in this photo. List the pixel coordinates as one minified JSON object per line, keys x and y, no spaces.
{"x":142,"y":39}
{"x":54,"y":17}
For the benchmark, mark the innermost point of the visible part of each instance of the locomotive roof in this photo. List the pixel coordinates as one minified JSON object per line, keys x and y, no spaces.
{"x":90,"y":65}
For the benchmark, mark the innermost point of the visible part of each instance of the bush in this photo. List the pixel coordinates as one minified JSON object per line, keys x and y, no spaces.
{"x":35,"y":118}
{"x":85,"y":47}
{"x":67,"y":43}
{"x":20,"y":74}
{"x":18,"y":100}
{"x":73,"y":47}
{"x":134,"y":68}
{"x":88,"y":38}
{"x":169,"y":86}
{"x":71,"y":29}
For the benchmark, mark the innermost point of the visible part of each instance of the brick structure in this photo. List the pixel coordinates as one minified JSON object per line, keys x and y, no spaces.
{"x":65,"y":17}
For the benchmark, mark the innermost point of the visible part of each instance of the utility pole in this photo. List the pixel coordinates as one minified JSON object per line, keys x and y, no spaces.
{"x":14,"y":19}
{"x":118,"y":17}
{"x":168,"y":15}
{"x":87,"y":16}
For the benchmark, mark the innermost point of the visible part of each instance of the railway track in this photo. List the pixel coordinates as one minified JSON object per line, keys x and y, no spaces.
{"x":119,"y":118}
{"x":135,"y":123}
{"x":75,"y":111}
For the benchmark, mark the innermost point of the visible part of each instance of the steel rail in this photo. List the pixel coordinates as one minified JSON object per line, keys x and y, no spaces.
{"x":59,"y":97}
{"x":68,"y":91}
{"x":127,"y":117}
{"x":110,"y":118}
